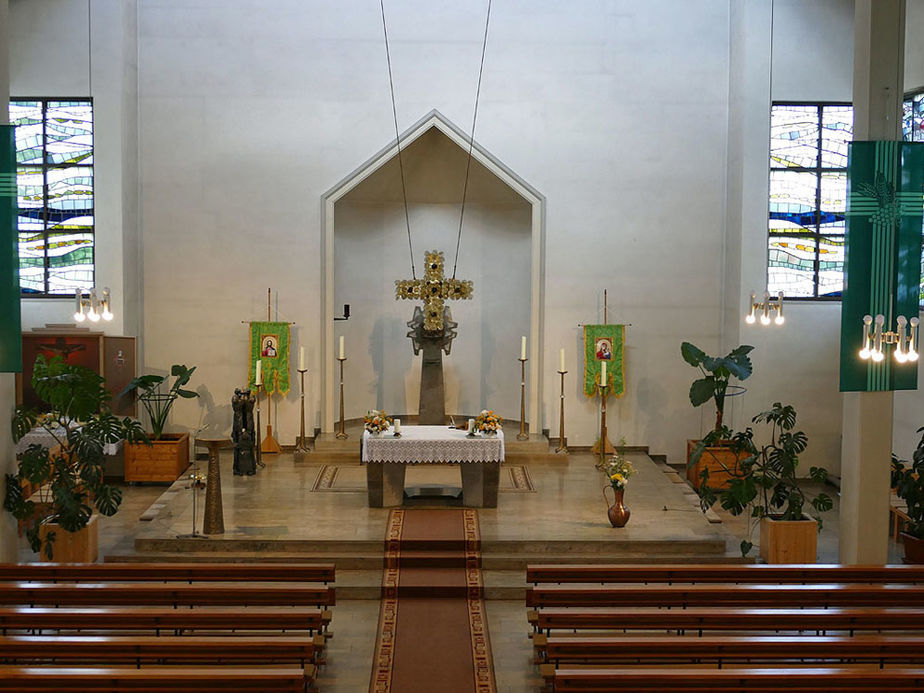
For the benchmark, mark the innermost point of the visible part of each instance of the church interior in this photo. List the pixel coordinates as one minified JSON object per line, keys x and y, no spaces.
{"x":444,"y":308}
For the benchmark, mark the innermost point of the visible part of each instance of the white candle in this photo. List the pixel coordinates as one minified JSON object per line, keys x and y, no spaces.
{"x":603,"y":372}
{"x":562,"y":369}
{"x":341,"y":346}
{"x":523,"y":347}
{"x":397,"y":425}
{"x":258,"y":378}
{"x":301,"y":358}
{"x":471,"y":425}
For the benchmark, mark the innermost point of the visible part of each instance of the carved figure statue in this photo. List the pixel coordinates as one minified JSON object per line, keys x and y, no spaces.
{"x":242,"y":433}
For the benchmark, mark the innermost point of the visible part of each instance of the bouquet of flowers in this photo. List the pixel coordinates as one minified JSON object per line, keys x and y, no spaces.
{"x":376,"y":421}
{"x":487,"y":421}
{"x":618,"y":470}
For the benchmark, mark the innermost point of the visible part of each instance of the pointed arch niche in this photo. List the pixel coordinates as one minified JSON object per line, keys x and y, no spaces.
{"x":366,"y":249}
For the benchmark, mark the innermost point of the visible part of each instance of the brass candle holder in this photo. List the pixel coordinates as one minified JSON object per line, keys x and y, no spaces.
{"x":301,"y":445}
{"x":603,"y":446}
{"x":561,"y":423}
{"x":257,"y":446}
{"x":341,"y":434}
{"x":523,"y":435}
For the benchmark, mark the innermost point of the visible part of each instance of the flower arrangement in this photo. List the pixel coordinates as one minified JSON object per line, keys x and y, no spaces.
{"x":618,"y":470}
{"x":487,"y":421}
{"x":376,"y":421}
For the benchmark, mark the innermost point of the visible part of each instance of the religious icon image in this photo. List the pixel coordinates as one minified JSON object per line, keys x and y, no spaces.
{"x":268,"y":346}
{"x":604,"y":350}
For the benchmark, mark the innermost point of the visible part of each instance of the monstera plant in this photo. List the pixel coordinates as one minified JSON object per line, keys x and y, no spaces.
{"x":65,"y":470}
{"x":717,"y":372}
{"x":158,"y":401}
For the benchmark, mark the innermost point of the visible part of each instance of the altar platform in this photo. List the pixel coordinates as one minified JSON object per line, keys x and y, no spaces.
{"x":550,"y":509}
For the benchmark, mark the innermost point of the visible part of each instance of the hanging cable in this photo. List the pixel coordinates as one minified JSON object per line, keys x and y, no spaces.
{"x":394,"y":111}
{"x":471,"y":142}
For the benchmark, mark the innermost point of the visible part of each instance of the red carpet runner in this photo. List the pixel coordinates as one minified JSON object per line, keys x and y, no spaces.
{"x":433,"y":635}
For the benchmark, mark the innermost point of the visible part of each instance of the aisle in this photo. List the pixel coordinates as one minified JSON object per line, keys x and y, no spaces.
{"x":432,"y":626}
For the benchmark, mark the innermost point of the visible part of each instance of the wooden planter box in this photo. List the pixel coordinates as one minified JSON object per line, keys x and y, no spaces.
{"x":163,"y":460}
{"x":71,"y":547}
{"x":792,"y":541}
{"x":712,"y":458}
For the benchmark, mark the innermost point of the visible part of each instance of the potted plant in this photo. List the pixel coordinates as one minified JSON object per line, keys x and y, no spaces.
{"x":714,"y":385}
{"x":764,"y":484}
{"x":58,"y":483}
{"x":168,"y":455}
{"x":908,"y":482}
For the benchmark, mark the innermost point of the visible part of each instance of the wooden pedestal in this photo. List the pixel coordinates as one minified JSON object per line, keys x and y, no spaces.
{"x":163,"y":460}
{"x":72,"y":547}
{"x":792,"y":541}
{"x":712,"y":459}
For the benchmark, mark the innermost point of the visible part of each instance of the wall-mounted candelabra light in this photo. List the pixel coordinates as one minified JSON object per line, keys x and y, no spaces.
{"x":93,"y":307}
{"x":906,"y":344}
{"x":764,"y":308}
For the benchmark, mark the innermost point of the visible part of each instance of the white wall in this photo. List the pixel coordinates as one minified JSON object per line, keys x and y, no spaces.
{"x":914,"y":44}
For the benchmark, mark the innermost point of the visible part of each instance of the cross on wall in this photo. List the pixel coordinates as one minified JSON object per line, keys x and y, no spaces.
{"x":434,"y":289}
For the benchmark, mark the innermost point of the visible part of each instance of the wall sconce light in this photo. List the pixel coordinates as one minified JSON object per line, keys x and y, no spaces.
{"x":764,"y":308}
{"x":906,"y":345}
{"x":96,"y":307}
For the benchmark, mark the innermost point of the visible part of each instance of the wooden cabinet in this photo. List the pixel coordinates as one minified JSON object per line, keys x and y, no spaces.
{"x":113,"y":357}
{"x":162,"y":460}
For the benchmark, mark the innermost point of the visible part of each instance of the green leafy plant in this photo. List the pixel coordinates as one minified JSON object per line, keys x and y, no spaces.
{"x":908,"y":482}
{"x":764,"y":481}
{"x":69,"y":472}
{"x":717,"y":372}
{"x":158,"y":402}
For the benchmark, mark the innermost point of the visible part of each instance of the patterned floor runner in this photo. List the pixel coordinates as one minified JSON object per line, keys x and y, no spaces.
{"x":433,"y":634}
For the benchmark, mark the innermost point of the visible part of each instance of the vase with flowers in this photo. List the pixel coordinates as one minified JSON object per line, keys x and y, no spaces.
{"x":376,"y":422}
{"x":617,"y":469}
{"x":488,"y":423}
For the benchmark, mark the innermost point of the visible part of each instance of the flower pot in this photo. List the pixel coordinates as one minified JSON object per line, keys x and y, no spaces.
{"x":618,"y":513}
{"x":789,"y":541}
{"x":715,"y":459}
{"x":914,"y":548}
{"x":163,"y":460}
{"x":71,"y":547}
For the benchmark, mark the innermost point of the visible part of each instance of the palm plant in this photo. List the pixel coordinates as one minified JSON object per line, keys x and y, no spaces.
{"x":717,"y":372}
{"x":156,"y":401}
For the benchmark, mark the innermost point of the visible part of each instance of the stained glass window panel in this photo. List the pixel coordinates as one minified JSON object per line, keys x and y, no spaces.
{"x":836,"y":134}
{"x":831,"y":266}
{"x":792,"y":265}
{"x":69,"y":133}
{"x":792,"y":201}
{"x":794,"y":136}
{"x":833,"y":201}
{"x":27,"y":117}
{"x":908,"y":121}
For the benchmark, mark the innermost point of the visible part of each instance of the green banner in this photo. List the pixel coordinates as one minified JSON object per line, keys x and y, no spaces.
{"x":604,"y":343}
{"x":269,"y":344}
{"x":10,"y":334}
{"x":885,"y":195}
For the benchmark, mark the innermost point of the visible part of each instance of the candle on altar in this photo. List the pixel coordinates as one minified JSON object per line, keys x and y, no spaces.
{"x":471,"y":425}
{"x":603,"y":372}
{"x":523,"y":347}
{"x":397,"y":425}
{"x":562,"y":369}
{"x":341,"y":346}
{"x":301,"y":358}
{"x":258,"y":378}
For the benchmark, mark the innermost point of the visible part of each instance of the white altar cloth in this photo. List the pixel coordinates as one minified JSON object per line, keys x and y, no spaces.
{"x":432,"y":445}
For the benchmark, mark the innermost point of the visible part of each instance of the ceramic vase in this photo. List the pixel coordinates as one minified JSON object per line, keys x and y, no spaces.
{"x":618,"y":512}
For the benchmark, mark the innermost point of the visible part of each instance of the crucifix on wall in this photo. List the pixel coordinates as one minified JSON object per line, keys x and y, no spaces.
{"x":432,"y":330}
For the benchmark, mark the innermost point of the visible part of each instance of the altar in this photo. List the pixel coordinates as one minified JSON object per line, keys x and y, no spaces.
{"x":386,"y":458}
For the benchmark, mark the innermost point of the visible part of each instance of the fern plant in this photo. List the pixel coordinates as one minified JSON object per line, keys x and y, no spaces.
{"x":68,"y":473}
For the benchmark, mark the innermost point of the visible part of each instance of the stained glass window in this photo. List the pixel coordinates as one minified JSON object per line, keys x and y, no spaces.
{"x":808,"y":193}
{"x":54,"y":156}
{"x":913,"y":131}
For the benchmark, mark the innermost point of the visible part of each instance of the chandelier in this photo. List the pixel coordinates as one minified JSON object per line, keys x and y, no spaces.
{"x":906,"y":344}
{"x":96,"y":307}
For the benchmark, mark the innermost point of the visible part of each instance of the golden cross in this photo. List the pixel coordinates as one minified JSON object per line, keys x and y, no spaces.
{"x":434,"y":289}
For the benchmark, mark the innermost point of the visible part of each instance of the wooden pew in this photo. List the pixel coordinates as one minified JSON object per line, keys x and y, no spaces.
{"x":167,"y":572}
{"x":157,"y":619}
{"x":120,"y":679}
{"x":756,"y":595}
{"x":702,"y":619}
{"x":877,"y":650}
{"x":718,"y":573}
{"x":116,"y":649}
{"x":159,"y":594}
{"x":834,"y":679}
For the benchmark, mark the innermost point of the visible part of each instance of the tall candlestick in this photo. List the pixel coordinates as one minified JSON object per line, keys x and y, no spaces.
{"x":341,"y":346}
{"x":301,"y":359}
{"x":562,"y":360}
{"x":258,"y":378}
{"x":603,"y":372}
{"x":523,"y":347}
